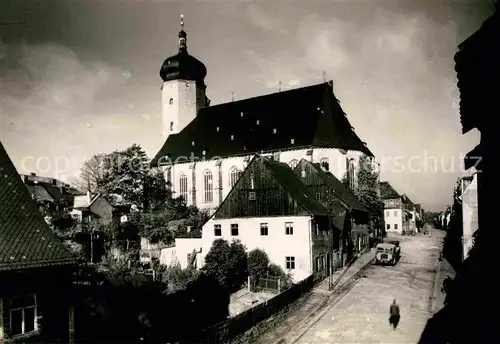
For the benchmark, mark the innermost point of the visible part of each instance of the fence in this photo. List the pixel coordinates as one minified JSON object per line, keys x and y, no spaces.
{"x":270,"y":285}
{"x":230,"y":328}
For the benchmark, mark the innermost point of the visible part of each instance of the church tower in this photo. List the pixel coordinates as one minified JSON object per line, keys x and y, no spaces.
{"x":183,"y":89}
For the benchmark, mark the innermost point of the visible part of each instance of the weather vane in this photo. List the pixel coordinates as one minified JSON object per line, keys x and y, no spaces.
{"x":182,"y":20}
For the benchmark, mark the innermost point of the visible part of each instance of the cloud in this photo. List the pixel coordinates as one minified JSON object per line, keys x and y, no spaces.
{"x":393,"y":72}
{"x":265,"y":21}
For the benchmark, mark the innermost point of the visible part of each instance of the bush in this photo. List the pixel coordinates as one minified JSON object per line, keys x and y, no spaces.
{"x":177,"y":279}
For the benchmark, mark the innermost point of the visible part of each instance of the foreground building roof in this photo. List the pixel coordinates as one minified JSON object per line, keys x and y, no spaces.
{"x":26,"y":241}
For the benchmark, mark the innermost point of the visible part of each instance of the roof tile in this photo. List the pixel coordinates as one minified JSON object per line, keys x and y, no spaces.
{"x":25,"y":239}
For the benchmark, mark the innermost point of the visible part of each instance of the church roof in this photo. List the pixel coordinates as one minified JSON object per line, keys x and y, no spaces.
{"x":298,"y":118}
{"x":387,"y":191}
{"x":26,"y":241}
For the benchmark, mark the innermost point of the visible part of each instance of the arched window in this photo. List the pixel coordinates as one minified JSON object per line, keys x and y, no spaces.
{"x":171,"y":101}
{"x":325,"y":165}
{"x":234,"y":175}
{"x":351,"y":173}
{"x":293,"y":163}
{"x":183,"y":186}
{"x":208,"y":187}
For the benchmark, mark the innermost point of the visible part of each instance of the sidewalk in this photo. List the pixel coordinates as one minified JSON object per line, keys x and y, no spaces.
{"x":317,"y":303}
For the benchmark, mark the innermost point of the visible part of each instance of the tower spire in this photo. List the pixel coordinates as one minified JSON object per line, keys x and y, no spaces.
{"x":182,"y":36}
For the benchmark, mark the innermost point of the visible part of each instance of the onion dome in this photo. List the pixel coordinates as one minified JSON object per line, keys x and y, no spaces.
{"x":182,"y":65}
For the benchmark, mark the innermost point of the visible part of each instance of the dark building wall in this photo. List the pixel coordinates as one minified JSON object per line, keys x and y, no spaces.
{"x":52,"y":287}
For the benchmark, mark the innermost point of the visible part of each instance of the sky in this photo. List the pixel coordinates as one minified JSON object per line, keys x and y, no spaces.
{"x":81,"y":77}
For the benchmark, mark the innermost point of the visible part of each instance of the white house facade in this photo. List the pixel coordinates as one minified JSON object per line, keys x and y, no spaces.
{"x":469,"y":213}
{"x":287,"y":240}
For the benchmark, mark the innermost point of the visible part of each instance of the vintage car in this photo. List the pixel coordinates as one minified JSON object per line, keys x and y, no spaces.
{"x":386,"y":254}
{"x":398,"y":248}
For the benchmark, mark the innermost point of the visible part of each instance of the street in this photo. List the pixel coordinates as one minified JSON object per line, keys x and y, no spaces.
{"x":361,"y":316}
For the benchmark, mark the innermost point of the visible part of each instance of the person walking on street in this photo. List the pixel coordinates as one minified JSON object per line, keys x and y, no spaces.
{"x":394,"y":315}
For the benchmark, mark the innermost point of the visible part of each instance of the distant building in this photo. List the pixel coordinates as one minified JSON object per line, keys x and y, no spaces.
{"x":35,"y":268}
{"x":398,"y":210}
{"x":87,"y":208}
{"x":208,"y":147}
{"x":469,"y":212}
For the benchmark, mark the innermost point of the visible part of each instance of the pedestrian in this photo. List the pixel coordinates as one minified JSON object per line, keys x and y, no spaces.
{"x":394,"y":315}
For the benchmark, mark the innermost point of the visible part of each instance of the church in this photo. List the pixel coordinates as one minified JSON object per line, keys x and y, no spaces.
{"x":207,"y":147}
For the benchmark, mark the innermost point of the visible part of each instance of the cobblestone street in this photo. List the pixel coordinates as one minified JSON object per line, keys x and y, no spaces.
{"x":361,"y":316}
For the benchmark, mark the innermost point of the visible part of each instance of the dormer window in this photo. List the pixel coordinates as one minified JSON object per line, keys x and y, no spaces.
{"x":171,"y":101}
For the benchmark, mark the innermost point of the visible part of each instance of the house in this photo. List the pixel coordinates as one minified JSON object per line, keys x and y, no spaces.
{"x":271,"y":209}
{"x":335,"y":196}
{"x":35,"y":267}
{"x":207,"y":147}
{"x":186,"y":252}
{"x":50,"y":193}
{"x":396,"y":215}
{"x":411,"y":213}
{"x":97,"y":207}
{"x":469,"y":212}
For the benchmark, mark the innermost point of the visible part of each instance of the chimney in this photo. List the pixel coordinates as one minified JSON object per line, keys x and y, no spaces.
{"x":25,"y":179}
{"x":33,"y":174}
{"x":54,"y":182}
{"x":330,"y":83}
{"x":89,"y":196}
{"x":62,"y":189}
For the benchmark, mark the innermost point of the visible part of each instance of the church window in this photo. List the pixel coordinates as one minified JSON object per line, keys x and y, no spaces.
{"x":208,"y":187}
{"x":293,"y":163}
{"x":183,"y":186}
{"x":171,"y":101}
{"x":234,"y":175}
{"x":325,"y":165}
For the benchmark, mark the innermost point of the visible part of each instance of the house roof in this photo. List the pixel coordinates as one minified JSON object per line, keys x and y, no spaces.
{"x":26,"y":241}
{"x":285,"y":176}
{"x":302,"y":117}
{"x":340,"y":189}
{"x":387,"y":191}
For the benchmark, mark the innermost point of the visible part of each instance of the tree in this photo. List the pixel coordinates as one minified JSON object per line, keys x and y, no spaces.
{"x":177,"y":279}
{"x":124,"y":174}
{"x":91,"y":173}
{"x":366,"y":190}
{"x":258,"y":263}
{"x":227,"y":263}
